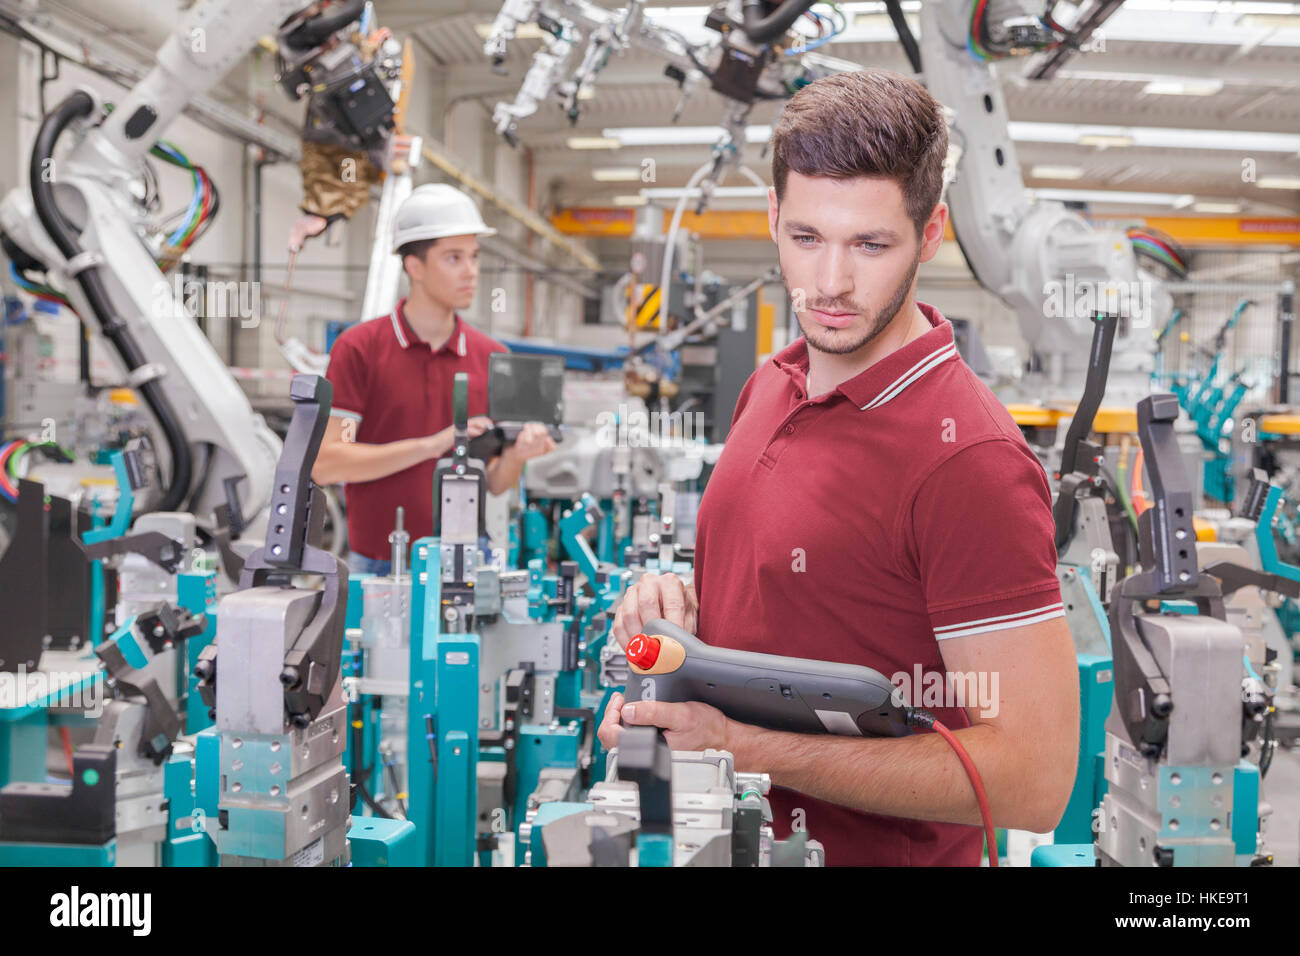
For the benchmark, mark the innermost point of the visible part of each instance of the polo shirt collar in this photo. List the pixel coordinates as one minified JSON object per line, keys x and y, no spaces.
{"x":889,"y":377}
{"x":406,"y":336}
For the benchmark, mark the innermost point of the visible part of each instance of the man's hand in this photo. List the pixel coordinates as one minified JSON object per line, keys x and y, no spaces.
{"x":303,"y":228}
{"x":655,"y":595}
{"x":688,"y":726}
{"x":440,"y":443}
{"x":533,"y":442}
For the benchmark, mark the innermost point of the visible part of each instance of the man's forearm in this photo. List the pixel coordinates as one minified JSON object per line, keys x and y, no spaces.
{"x":917,"y":777}
{"x":342,"y":461}
{"x":503,"y":473}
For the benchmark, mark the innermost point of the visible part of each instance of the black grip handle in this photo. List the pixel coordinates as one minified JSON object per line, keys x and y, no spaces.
{"x":1169,"y":533}
{"x":286,"y":530}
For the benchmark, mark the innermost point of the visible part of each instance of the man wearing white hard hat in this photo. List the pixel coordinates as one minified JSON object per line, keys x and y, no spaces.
{"x":392,"y":413}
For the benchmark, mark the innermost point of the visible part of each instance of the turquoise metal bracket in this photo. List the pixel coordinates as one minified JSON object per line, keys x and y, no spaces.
{"x":1268,"y":556}
{"x":572,"y":525}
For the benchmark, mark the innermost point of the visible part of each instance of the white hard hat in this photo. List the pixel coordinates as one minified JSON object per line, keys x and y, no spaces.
{"x":434,"y":211}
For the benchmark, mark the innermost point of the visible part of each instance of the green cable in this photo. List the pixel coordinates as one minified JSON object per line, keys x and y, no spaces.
{"x":1121,"y":479}
{"x":974,"y":40}
{"x":19,"y":453}
{"x":13,"y":459}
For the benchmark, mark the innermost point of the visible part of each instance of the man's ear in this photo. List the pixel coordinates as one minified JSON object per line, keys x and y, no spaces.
{"x":932,"y":234}
{"x":413,"y":267}
{"x":773,"y":211}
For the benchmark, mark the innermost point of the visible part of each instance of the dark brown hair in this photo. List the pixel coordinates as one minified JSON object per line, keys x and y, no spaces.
{"x":865,"y":123}
{"x":418,"y":248}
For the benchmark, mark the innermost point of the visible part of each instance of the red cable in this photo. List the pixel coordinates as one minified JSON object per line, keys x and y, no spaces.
{"x":67,"y":749}
{"x":980,"y":796}
{"x":1156,"y":241}
{"x":6,"y":452}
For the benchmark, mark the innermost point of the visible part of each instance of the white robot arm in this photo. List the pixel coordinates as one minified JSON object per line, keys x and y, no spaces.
{"x":1049,"y":265}
{"x":746,"y":62}
{"x":83,"y":221}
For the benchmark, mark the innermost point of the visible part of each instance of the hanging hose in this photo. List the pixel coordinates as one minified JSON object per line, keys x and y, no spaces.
{"x":671,"y":241}
{"x":75,"y":106}
{"x":318,"y":29}
{"x":895,"y":10}
{"x":762,"y":29}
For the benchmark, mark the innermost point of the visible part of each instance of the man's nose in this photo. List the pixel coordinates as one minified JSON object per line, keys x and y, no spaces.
{"x":834,"y":274}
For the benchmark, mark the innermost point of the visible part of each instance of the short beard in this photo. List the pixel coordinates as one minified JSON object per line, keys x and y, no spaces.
{"x":878,"y":324}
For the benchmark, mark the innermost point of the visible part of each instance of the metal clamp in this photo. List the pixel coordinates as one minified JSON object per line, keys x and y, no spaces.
{"x":146,"y":373}
{"x":83,"y":261}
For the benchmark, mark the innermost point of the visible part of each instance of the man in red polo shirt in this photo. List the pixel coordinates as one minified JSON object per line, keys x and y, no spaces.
{"x":392,"y":415}
{"x":876,"y":505}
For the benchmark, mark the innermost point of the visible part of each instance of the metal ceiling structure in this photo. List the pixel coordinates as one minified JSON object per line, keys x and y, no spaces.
{"x":1247,"y":54}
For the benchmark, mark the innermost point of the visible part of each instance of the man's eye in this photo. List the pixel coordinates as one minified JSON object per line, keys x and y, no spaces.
{"x":873,"y":247}
{"x":800,"y":240}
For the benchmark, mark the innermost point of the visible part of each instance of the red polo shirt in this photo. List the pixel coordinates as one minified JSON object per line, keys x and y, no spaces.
{"x":394,"y":386}
{"x":866,"y":526}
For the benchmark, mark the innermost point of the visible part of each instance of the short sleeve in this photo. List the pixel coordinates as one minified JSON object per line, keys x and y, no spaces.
{"x":347,"y":374}
{"x":981,"y":536}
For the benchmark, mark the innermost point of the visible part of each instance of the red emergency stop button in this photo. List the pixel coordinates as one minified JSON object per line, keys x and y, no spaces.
{"x":643,"y":651}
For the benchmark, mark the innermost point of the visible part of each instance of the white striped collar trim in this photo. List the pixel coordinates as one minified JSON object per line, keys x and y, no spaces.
{"x":460,"y":347}
{"x":397,"y":328}
{"x":937,"y":357}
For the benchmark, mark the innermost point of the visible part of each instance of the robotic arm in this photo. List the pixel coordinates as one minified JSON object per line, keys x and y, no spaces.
{"x":754,"y":58}
{"x":85,"y":223}
{"x":1050,"y":266}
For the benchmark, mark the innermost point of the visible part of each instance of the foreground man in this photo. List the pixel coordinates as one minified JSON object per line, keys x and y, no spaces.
{"x":875,"y":504}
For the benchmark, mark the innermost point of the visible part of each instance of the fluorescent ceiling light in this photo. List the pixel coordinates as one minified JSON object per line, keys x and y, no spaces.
{"x":1056,"y":172}
{"x":630,"y":200}
{"x":618,"y":174}
{"x":593,"y":142}
{"x":719,"y":192}
{"x":1183,"y":201}
{"x":1279,"y":182}
{"x":1272,"y":21}
{"x":1157,"y":137}
{"x":1183,"y":87}
{"x":1110,"y":196}
{"x":1104,"y":141}
{"x":681,"y":135}
{"x":523,"y":31}
{"x":1217,"y":207}
{"x":1152,"y":137}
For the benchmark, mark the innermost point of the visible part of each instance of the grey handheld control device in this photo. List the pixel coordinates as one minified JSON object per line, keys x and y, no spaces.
{"x":779,"y":693}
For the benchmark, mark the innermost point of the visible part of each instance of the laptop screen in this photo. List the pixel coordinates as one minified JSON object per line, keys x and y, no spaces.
{"x":526,"y":388}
